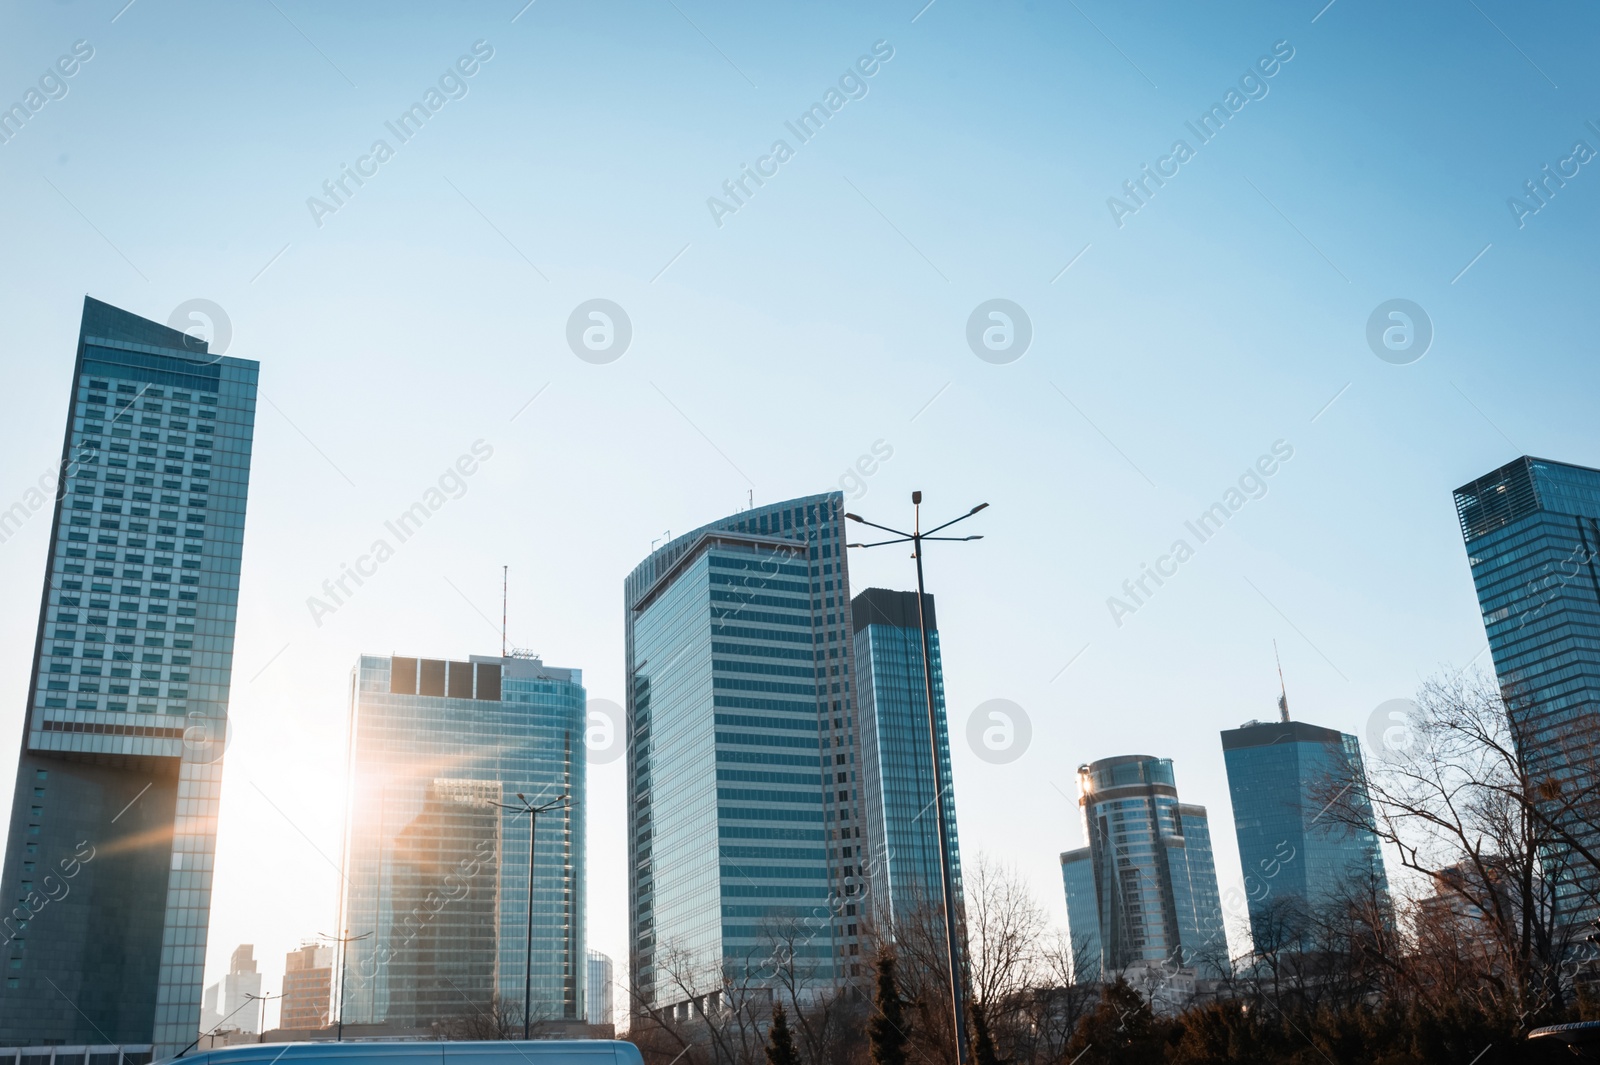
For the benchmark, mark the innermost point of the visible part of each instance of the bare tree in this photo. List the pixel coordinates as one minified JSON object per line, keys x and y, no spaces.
{"x":1499,"y":824}
{"x":497,"y":1019}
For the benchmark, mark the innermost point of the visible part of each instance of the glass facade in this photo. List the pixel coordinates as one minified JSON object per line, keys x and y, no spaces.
{"x":745,"y":828}
{"x":113,"y":825}
{"x":898,"y":788}
{"x":600,"y":989}
{"x":1147,"y":876}
{"x":1532,"y":532}
{"x":436,"y":876}
{"x":1083,"y":915}
{"x":1282,"y":776}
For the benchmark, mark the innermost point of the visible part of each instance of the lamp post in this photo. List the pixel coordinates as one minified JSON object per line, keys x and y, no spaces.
{"x":343,"y":941}
{"x":248,"y":998}
{"x":915,"y":538}
{"x":263,"y":999}
{"x":523,"y":805}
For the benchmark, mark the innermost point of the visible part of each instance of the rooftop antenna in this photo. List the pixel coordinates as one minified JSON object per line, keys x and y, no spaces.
{"x":505,"y":581}
{"x":1283,"y":692}
{"x":752,"y":498}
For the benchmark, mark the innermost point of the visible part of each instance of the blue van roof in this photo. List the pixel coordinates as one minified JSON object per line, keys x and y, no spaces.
{"x":425,"y":1052}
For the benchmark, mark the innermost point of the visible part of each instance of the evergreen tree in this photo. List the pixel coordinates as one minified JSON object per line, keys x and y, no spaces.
{"x":780,"y":1044}
{"x":983,"y":1052}
{"x":890,"y":1030}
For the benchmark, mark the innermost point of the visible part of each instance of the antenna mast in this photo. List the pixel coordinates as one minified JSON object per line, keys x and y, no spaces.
{"x":505,"y":580}
{"x":1283,"y":692}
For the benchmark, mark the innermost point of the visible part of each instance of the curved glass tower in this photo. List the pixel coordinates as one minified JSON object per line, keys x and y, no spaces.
{"x":1155,"y":901}
{"x":745,"y":833}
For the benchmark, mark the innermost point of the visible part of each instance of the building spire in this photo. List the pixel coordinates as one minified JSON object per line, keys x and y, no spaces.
{"x":1283,"y":692}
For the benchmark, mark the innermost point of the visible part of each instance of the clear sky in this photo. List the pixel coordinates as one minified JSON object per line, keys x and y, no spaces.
{"x":775,"y":344}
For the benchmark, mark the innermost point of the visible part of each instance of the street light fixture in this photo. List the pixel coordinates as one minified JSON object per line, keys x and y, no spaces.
{"x":248,"y":998}
{"x":343,"y":941}
{"x":264,"y":999}
{"x":523,"y":805}
{"x":915,"y":538}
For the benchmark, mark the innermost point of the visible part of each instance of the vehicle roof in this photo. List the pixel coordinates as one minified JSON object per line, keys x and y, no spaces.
{"x":425,"y":1052}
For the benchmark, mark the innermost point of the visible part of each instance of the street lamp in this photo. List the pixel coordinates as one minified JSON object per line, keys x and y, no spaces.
{"x":915,"y":538}
{"x":564,"y":802}
{"x":248,"y":998}
{"x":264,"y":999}
{"x":343,"y":941}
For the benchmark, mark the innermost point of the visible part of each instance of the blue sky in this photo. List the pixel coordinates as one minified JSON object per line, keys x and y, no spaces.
{"x":829,"y":313}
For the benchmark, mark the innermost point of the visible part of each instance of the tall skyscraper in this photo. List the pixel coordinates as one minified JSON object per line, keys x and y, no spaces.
{"x":1149,"y":868}
{"x":436,"y":876}
{"x":1532,"y":532}
{"x":744,"y":820}
{"x":307,"y":987}
{"x":600,"y":989}
{"x":897,"y":777}
{"x":1283,"y":776}
{"x":232,"y":1001}
{"x":113,"y":823}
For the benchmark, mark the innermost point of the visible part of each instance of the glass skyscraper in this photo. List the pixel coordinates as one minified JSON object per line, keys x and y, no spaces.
{"x":113,"y":823}
{"x":436,"y":876}
{"x":1282,"y":778}
{"x":1532,"y":532}
{"x":898,"y":787}
{"x":744,"y":818}
{"x":600,"y":989}
{"x":1144,"y":891}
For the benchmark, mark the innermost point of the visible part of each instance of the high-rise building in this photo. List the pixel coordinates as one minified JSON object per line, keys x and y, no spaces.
{"x":436,"y":875}
{"x":307,"y":987}
{"x":897,"y":776}
{"x":1083,"y":915}
{"x":1532,"y":532}
{"x":113,"y":823}
{"x":745,"y":825}
{"x":1284,"y":777}
{"x":234,"y":1001}
{"x":1150,"y":878}
{"x":600,"y":989}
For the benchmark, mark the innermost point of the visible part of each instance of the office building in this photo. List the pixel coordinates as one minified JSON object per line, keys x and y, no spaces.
{"x":234,"y":1001}
{"x":436,"y":875}
{"x":745,"y":823}
{"x":113,"y":822}
{"x":897,"y":776}
{"x":307,"y":987}
{"x":1144,"y":891}
{"x":1083,"y":915}
{"x":1532,"y":533}
{"x":600,"y":989}
{"x":1292,"y":785}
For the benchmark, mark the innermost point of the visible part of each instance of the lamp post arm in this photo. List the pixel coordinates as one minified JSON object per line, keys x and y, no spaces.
{"x":875,"y":525}
{"x":952,"y":521}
